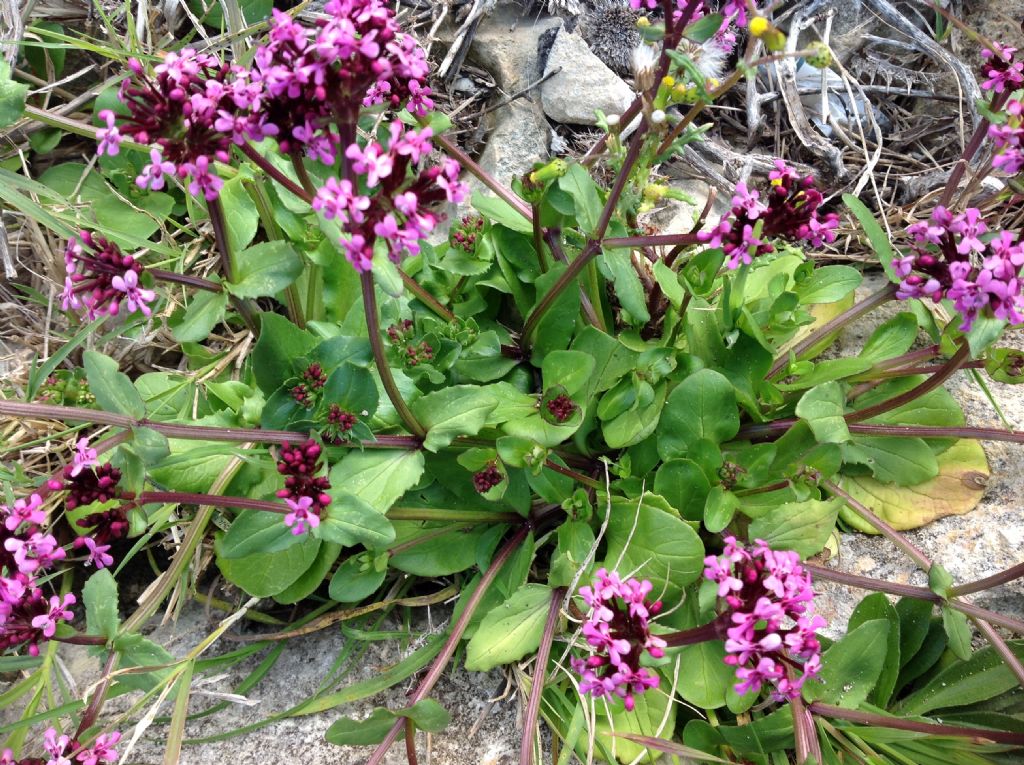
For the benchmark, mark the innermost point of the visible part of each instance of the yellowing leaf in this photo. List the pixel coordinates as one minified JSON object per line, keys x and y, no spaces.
{"x":957,"y":489}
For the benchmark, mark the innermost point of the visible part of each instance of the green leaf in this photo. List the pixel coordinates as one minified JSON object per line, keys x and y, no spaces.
{"x":892,"y":339}
{"x":617,"y":265}
{"x":654,"y":544}
{"x":197,"y":320}
{"x":915,"y":621}
{"x":265,"y":269}
{"x":702,"y":407}
{"x":113,"y":390}
{"x":719,"y":509}
{"x":684,"y":485}
{"x":12,"y":96}
{"x":876,"y":235}
{"x":573,"y":370}
{"x":378,"y":477}
{"x":575,"y":541}
{"x":555,"y":328}
{"x":704,"y":678}
{"x":427,"y":714}
{"x":312,"y":577}
{"x":265,"y":574}
{"x":356,"y":578}
{"x":633,"y":426}
{"x":827,"y":284}
{"x":939,"y":580}
{"x":822,"y":408}
{"x":877,"y":606}
{"x":704,"y":29}
{"x":280,"y":341}
{"x":958,"y":631}
{"x":578,"y":184}
{"x":851,"y":667}
{"x":137,"y":651}
{"x":800,"y":526}
{"x":891,"y":459}
{"x":100,"y":597}
{"x":350,"y":521}
{"x":983,"y":676}
{"x":439,"y":554}
{"x":255,"y":531}
{"x":241,"y":218}
{"x":460,"y":410}
{"x":511,"y":630}
{"x":668,"y":280}
{"x":500,"y":211}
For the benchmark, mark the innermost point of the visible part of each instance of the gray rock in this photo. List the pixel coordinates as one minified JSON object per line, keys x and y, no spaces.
{"x":506,"y":45}
{"x":583,"y":85}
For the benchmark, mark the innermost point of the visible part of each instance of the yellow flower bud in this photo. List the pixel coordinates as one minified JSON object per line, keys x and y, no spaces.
{"x":758,"y":26}
{"x":668,"y":81}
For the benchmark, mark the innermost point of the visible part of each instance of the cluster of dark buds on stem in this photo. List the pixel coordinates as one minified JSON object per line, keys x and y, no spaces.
{"x":304,"y":491}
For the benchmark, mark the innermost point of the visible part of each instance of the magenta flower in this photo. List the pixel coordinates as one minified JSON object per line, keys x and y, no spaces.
{"x":36,"y":552}
{"x":769,"y":607}
{"x":98,"y":555}
{"x":618,"y":631}
{"x":60,"y":610}
{"x":110,"y":137}
{"x":1003,"y":70}
{"x":84,"y":457}
{"x":23,"y":511}
{"x":153,"y":174}
{"x":300,"y":515}
{"x":1009,"y":139}
{"x":100,"y":278}
{"x":101,"y":751}
{"x":790,"y":211}
{"x":949,"y":260}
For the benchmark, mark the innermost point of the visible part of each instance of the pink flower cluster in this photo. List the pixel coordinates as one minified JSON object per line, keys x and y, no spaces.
{"x":392,"y":202}
{"x":357,"y":57}
{"x":27,"y":616}
{"x":63,"y":750}
{"x":770,"y":604}
{"x":1004,"y":71}
{"x":192,"y":108}
{"x":790,"y":210}
{"x":102,"y":279}
{"x":303,"y":490}
{"x":954,"y":258}
{"x":618,"y":630}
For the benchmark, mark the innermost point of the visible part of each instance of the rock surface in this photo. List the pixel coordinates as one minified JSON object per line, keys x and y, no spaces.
{"x":506,"y":45}
{"x":583,"y":85}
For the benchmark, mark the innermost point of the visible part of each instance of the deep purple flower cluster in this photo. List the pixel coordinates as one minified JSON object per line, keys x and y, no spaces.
{"x":486,"y":479}
{"x":339,"y":423}
{"x":770,"y":604}
{"x":392,"y":202}
{"x":27,"y":616}
{"x":356,"y":57}
{"x":618,"y":630}
{"x":303,"y":490}
{"x":464,"y":236}
{"x":790,"y":211}
{"x":102,"y":279}
{"x":307,"y":392}
{"x":561,"y":408}
{"x":1004,"y":71}
{"x":949,"y":259}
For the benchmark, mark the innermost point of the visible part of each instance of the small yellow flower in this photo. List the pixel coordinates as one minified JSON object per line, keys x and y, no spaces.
{"x":758,"y":26}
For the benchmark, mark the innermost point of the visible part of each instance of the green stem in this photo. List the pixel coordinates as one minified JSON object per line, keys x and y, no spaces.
{"x":455,"y":636}
{"x":854,"y":312}
{"x":538,"y":239}
{"x":302,"y":173}
{"x":483,"y":176}
{"x":380,"y":356}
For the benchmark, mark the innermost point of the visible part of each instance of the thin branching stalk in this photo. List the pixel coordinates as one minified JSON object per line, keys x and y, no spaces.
{"x":1008,"y":575}
{"x":425,"y":297}
{"x":220,"y":234}
{"x":196,"y":282}
{"x":468,"y":163}
{"x":272,"y":172}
